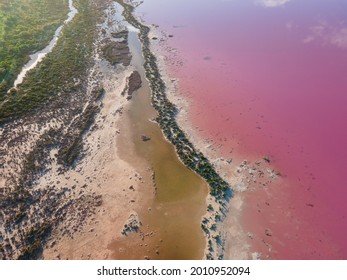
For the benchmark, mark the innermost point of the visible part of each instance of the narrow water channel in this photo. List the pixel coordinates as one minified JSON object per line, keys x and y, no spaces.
{"x":173,"y":216}
{"x":38,"y":56}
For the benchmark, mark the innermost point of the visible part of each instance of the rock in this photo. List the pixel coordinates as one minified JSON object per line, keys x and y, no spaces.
{"x":133,"y":224}
{"x":267,"y":159}
{"x":145,"y":138}
{"x":117,"y":53}
{"x":268,"y":232}
{"x":98,"y":200}
{"x":134,"y":82}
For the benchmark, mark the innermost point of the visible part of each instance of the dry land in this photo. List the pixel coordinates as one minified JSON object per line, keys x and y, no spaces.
{"x":65,"y":192}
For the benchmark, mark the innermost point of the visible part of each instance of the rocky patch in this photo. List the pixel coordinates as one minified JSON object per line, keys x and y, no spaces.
{"x":133,"y":224}
{"x":116,"y":52}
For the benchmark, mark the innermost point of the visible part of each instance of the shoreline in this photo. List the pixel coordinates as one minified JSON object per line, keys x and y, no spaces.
{"x":245,"y":106}
{"x":118,"y":183}
{"x":167,"y":182}
{"x":252,"y":232}
{"x":222,"y":165}
{"x":144,"y":234}
{"x":220,"y":191}
{"x":239,"y":173}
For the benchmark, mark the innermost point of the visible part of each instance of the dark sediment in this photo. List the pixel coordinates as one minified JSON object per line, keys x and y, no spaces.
{"x":117,"y":52}
{"x":120,"y":35}
{"x":134,"y":82}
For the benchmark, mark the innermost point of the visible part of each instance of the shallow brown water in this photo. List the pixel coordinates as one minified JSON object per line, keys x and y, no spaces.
{"x":171,"y":220}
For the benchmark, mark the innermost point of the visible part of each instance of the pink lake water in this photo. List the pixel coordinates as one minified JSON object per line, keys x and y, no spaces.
{"x":268,"y":77}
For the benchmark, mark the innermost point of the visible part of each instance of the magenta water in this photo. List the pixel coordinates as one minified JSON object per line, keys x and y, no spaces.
{"x":268,"y":77}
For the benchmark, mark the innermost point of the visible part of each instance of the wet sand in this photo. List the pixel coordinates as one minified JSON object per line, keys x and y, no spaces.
{"x":136,"y":178}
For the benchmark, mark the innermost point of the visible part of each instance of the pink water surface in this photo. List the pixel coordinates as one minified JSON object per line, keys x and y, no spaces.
{"x":269,"y":78}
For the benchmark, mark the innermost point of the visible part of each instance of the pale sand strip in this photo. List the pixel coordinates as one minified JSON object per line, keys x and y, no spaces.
{"x":120,"y":185}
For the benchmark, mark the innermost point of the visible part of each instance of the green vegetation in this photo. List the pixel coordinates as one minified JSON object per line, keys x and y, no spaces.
{"x":26,"y":26}
{"x":59,"y":72}
{"x":58,"y":82}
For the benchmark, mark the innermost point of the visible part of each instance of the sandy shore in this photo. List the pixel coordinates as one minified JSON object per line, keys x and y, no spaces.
{"x":127,"y":190}
{"x":120,"y":184}
{"x":94,"y":198}
{"x":109,"y":176}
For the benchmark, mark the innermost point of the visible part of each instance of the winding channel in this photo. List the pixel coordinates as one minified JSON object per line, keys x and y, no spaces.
{"x":38,"y":56}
